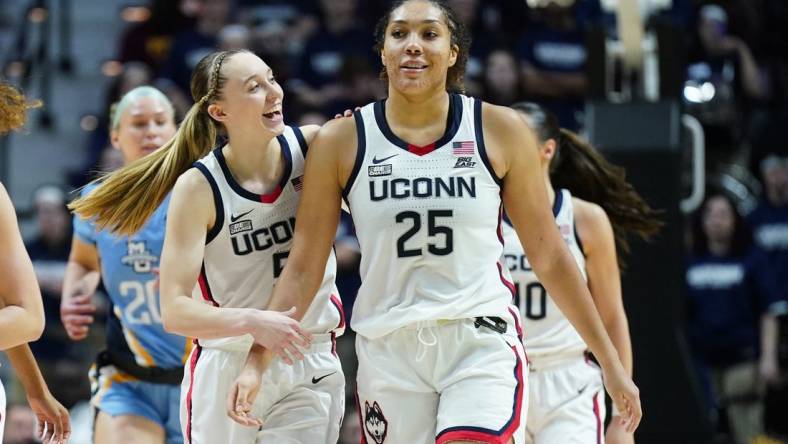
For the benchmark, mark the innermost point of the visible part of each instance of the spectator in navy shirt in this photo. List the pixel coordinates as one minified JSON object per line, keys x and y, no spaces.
{"x":731,"y":291}
{"x":553,"y":56}
{"x":769,"y":220}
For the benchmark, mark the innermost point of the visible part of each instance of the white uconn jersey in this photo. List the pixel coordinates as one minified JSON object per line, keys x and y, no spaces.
{"x":248,"y":245}
{"x":547,"y":331}
{"x":427,"y":221}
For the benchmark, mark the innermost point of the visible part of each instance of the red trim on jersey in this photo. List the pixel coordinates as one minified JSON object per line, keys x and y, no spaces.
{"x":334,"y":344}
{"x":491,"y":436}
{"x":361,"y":421}
{"x":192,"y":365}
{"x":205,"y":289}
{"x":508,"y":284}
{"x":421,"y":150}
{"x":272,"y":196}
{"x":518,"y":328}
{"x":338,"y":304}
{"x":598,"y":419}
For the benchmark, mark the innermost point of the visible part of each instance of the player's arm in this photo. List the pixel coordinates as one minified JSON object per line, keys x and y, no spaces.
{"x":50,"y":413}
{"x":604,"y":282}
{"x":513,"y":154}
{"x":190,"y":215}
{"x":604,"y":278}
{"x":22,"y":315}
{"x":83,"y":273}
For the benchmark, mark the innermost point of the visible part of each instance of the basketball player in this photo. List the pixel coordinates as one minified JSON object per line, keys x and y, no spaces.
{"x":567,"y":404}
{"x":136,"y":381}
{"x":423,"y":173}
{"x":21,"y":307}
{"x":230,"y":227}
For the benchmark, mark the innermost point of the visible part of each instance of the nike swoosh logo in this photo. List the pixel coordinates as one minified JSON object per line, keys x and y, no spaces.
{"x":234,"y":218}
{"x":582,"y":389}
{"x":316,"y":380}
{"x":376,"y":161}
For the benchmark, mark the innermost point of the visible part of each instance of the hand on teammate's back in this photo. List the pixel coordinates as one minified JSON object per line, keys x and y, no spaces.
{"x":281,"y":334}
{"x":76,"y":313}
{"x":625,"y":396}
{"x":54,"y":426}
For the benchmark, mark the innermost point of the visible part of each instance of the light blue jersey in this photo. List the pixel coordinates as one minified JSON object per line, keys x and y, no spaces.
{"x":127,"y":265}
{"x":140,"y":372}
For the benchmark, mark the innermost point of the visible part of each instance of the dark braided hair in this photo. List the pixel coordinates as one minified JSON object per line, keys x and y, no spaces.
{"x":582,"y":170}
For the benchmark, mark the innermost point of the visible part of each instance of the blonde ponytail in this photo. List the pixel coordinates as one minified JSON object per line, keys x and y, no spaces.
{"x":127,"y":197}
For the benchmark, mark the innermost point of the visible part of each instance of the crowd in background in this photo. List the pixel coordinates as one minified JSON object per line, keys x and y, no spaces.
{"x":321,"y":52}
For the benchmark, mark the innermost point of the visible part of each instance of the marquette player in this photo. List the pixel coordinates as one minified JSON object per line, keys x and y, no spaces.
{"x":21,"y":308}
{"x":230,"y":227}
{"x":567,"y":403}
{"x":136,"y":380}
{"x":423,"y":173}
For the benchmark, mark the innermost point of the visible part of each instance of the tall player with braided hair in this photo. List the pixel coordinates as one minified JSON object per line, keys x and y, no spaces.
{"x":21,"y":307}
{"x":230,"y":227}
{"x":425,"y":174}
{"x":595,"y":209}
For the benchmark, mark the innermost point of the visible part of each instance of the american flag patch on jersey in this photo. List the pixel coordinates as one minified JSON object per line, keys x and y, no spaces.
{"x":298,"y":183}
{"x":463,"y":148}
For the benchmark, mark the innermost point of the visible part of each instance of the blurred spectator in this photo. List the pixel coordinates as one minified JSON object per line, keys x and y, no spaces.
{"x":234,"y":36}
{"x":192,"y":44}
{"x":20,"y":425}
{"x":502,"y":82}
{"x":318,"y":81}
{"x":49,"y":251}
{"x":731,"y":291}
{"x":724,"y":82}
{"x":150,"y":41}
{"x":297,"y":18}
{"x":313,"y":118}
{"x":553,"y":57}
{"x":769,"y":220}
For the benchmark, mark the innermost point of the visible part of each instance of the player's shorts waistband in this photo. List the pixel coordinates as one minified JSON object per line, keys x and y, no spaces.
{"x":321,"y":342}
{"x":547,"y":362}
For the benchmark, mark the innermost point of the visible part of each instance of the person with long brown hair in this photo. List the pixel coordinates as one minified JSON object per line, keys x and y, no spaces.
{"x":229,"y":229}
{"x":425,"y":174}
{"x":21,"y":307}
{"x":566,"y":386}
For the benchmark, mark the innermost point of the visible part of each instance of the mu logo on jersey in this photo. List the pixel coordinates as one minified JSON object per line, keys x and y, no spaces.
{"x":138,"y":257}
{"x":374,"y":422}
{"x":245,"y":238}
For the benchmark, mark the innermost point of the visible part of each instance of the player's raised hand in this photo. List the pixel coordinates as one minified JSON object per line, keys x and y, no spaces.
{"x":281,"y":334}
{"x":54,"y":424}
{"x":625,"y":396}
{"x":242,"y":396}
{"x":76,"y":313}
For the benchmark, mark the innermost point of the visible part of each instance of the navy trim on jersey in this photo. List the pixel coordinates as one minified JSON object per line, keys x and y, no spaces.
{"x":115,"y":339}
{"x":217,"y":203}
{"x":479,"y":130}
{"x":577,"y":239}
{"x":558,"y":202}
{"x":301,"y":140}
{"x":260,"y":198}
{"x":453,"y":121}
{"x":360,"y":152}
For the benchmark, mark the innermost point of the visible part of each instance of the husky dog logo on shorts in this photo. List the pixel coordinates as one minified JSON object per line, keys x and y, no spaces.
{"x":375,"y":422}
